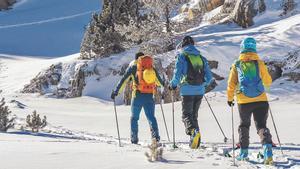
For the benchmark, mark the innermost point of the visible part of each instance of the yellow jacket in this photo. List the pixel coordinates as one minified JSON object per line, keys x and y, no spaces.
{"x":232,"y":86}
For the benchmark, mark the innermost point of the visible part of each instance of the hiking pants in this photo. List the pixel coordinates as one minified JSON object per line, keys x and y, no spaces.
{"x":260,"y":115}
{"x":190,"y":107}
{"x":145,"y":101}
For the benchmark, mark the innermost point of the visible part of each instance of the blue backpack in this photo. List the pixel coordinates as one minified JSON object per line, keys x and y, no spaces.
{"x":250,"y":83}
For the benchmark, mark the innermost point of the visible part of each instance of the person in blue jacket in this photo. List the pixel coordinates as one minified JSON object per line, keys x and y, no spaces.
{"x":192,"y":74}
{"x":139,"y":100}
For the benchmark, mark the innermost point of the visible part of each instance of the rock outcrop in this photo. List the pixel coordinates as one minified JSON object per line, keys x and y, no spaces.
{"x":59,"y":80}
{"x":288,"y":66}
{"x":5,"y":4}
{"x":240,"y":12}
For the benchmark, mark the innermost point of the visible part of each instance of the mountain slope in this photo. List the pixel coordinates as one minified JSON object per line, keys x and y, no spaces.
{"x":41,"y":28}
{"x":82,"y":131}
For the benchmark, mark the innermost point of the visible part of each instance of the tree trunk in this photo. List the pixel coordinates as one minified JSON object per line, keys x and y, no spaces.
{"x":288,"y":5}
{"x":167,"y":15}
{"x":262,"y":6}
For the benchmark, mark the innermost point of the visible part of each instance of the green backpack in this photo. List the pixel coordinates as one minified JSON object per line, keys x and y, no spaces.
{"x":195,"y":72}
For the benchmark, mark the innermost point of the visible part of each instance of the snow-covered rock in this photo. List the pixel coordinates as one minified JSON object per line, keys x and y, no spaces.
{"x":287,"y":66}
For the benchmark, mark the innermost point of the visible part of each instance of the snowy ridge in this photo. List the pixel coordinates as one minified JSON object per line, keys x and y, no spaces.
{"x":46,"y":21}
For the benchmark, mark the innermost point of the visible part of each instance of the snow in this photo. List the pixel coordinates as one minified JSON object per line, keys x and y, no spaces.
{"x":82,"y":134}
{"x":82,"y":131}
{"x":48,"y":24}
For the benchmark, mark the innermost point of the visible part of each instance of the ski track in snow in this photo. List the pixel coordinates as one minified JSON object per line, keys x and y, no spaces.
{"x":215,"y":151}
{"x":46,"y":21}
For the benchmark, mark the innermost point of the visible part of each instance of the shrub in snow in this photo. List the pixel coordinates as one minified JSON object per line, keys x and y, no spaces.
{"x":34,"y":121}
{"x":5,"y":121}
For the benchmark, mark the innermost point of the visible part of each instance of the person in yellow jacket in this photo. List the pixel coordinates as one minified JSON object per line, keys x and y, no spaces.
{"x":248,"y":80}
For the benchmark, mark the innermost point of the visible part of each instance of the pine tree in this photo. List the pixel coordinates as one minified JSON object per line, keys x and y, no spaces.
{"x":5,"y":121}
{"x":261,"y":6}
{"x":101,"y":38}
{"x":35,"y":122}
{"x":287,"y":5}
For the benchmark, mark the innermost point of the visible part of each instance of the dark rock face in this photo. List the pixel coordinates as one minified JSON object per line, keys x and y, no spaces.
{"x":44,"y":80}
{"x":244,"y":12}
{"x":48,"y":81}
{"x":5,"y":4}
{"x":77,"y":83}
{"x":274,"y":70}
{"x":240,"y":12}
{"x":288,"y":66}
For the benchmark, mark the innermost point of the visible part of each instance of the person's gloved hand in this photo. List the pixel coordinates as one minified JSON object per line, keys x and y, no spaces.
{"x":113,"y":95}
{"x":172,"y":87}
{"x":230,"y":103}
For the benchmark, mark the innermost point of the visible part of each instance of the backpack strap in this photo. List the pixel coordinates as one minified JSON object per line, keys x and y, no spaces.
{"x":237,"y":64}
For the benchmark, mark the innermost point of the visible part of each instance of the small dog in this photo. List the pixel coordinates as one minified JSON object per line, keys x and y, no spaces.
{"x":155,"y":151}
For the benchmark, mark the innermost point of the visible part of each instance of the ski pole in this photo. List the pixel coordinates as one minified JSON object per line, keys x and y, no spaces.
{"x":117,"y":122}
{"x":172,"y":96}
{"x":276,"y":130}
{"x":162,"y":111}
{"x":232,"y":126}
{"x":225,"y":138}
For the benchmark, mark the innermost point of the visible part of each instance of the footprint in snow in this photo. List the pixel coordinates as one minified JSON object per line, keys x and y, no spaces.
{"x":215,"y":164}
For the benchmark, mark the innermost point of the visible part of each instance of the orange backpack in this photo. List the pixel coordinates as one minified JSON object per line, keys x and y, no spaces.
{"x":146,"y":75}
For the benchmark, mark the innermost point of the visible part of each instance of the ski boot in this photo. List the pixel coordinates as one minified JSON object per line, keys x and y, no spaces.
{"x":268,"y":155}
{"x":243,"y":156}
{"x":195,"y":139}
{"x":134,"y":139}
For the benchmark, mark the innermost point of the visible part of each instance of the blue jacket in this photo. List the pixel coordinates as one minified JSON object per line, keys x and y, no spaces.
{"x":181,"y":71}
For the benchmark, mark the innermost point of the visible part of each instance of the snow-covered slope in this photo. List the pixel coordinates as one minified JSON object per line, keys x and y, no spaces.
{"x":48,"y":28}
{"x":82,"y":134}
{"x":276,"y":37}
{"x":81,"y":131}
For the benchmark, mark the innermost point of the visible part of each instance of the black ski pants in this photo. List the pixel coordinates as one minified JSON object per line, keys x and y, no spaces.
{"x":190,"y":107}
{"x":260,"y":115}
